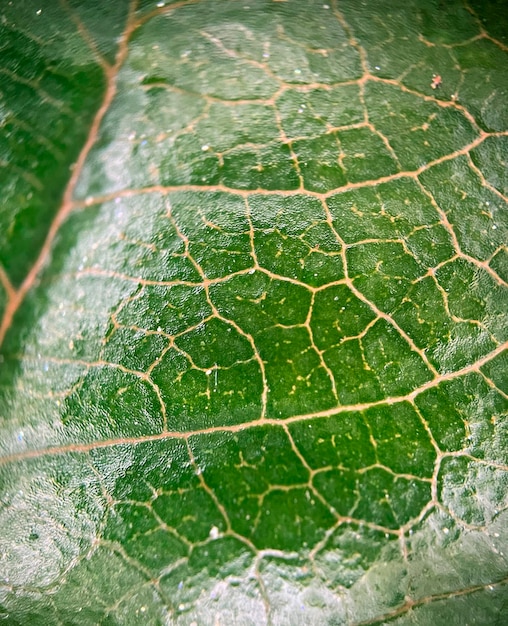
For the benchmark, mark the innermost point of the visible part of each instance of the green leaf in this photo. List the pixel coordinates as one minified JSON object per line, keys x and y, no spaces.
{"x":253,"y":277}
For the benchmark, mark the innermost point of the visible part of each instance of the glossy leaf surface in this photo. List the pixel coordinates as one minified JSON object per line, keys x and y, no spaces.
{"x":253,"y":278}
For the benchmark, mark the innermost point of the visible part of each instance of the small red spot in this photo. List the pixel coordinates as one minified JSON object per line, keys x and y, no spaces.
{"x":436,"y":81}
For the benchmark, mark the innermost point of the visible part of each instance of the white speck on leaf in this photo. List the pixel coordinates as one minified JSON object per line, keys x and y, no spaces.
{"x":214,"y":532}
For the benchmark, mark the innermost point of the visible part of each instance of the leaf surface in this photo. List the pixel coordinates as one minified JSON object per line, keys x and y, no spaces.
{"x":253,"y":278}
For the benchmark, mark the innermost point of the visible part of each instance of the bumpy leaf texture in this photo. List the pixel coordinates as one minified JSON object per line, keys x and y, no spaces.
{"x":253,"y":292}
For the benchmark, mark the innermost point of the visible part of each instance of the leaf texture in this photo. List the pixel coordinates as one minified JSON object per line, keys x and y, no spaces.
{"x":253,"y":278}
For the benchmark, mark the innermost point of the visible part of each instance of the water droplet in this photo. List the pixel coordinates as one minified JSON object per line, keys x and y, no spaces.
{"x":297,"y":71}
{"x":39,"y":11}
{"x":160,"y":4}
{"x":205,"y":147}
